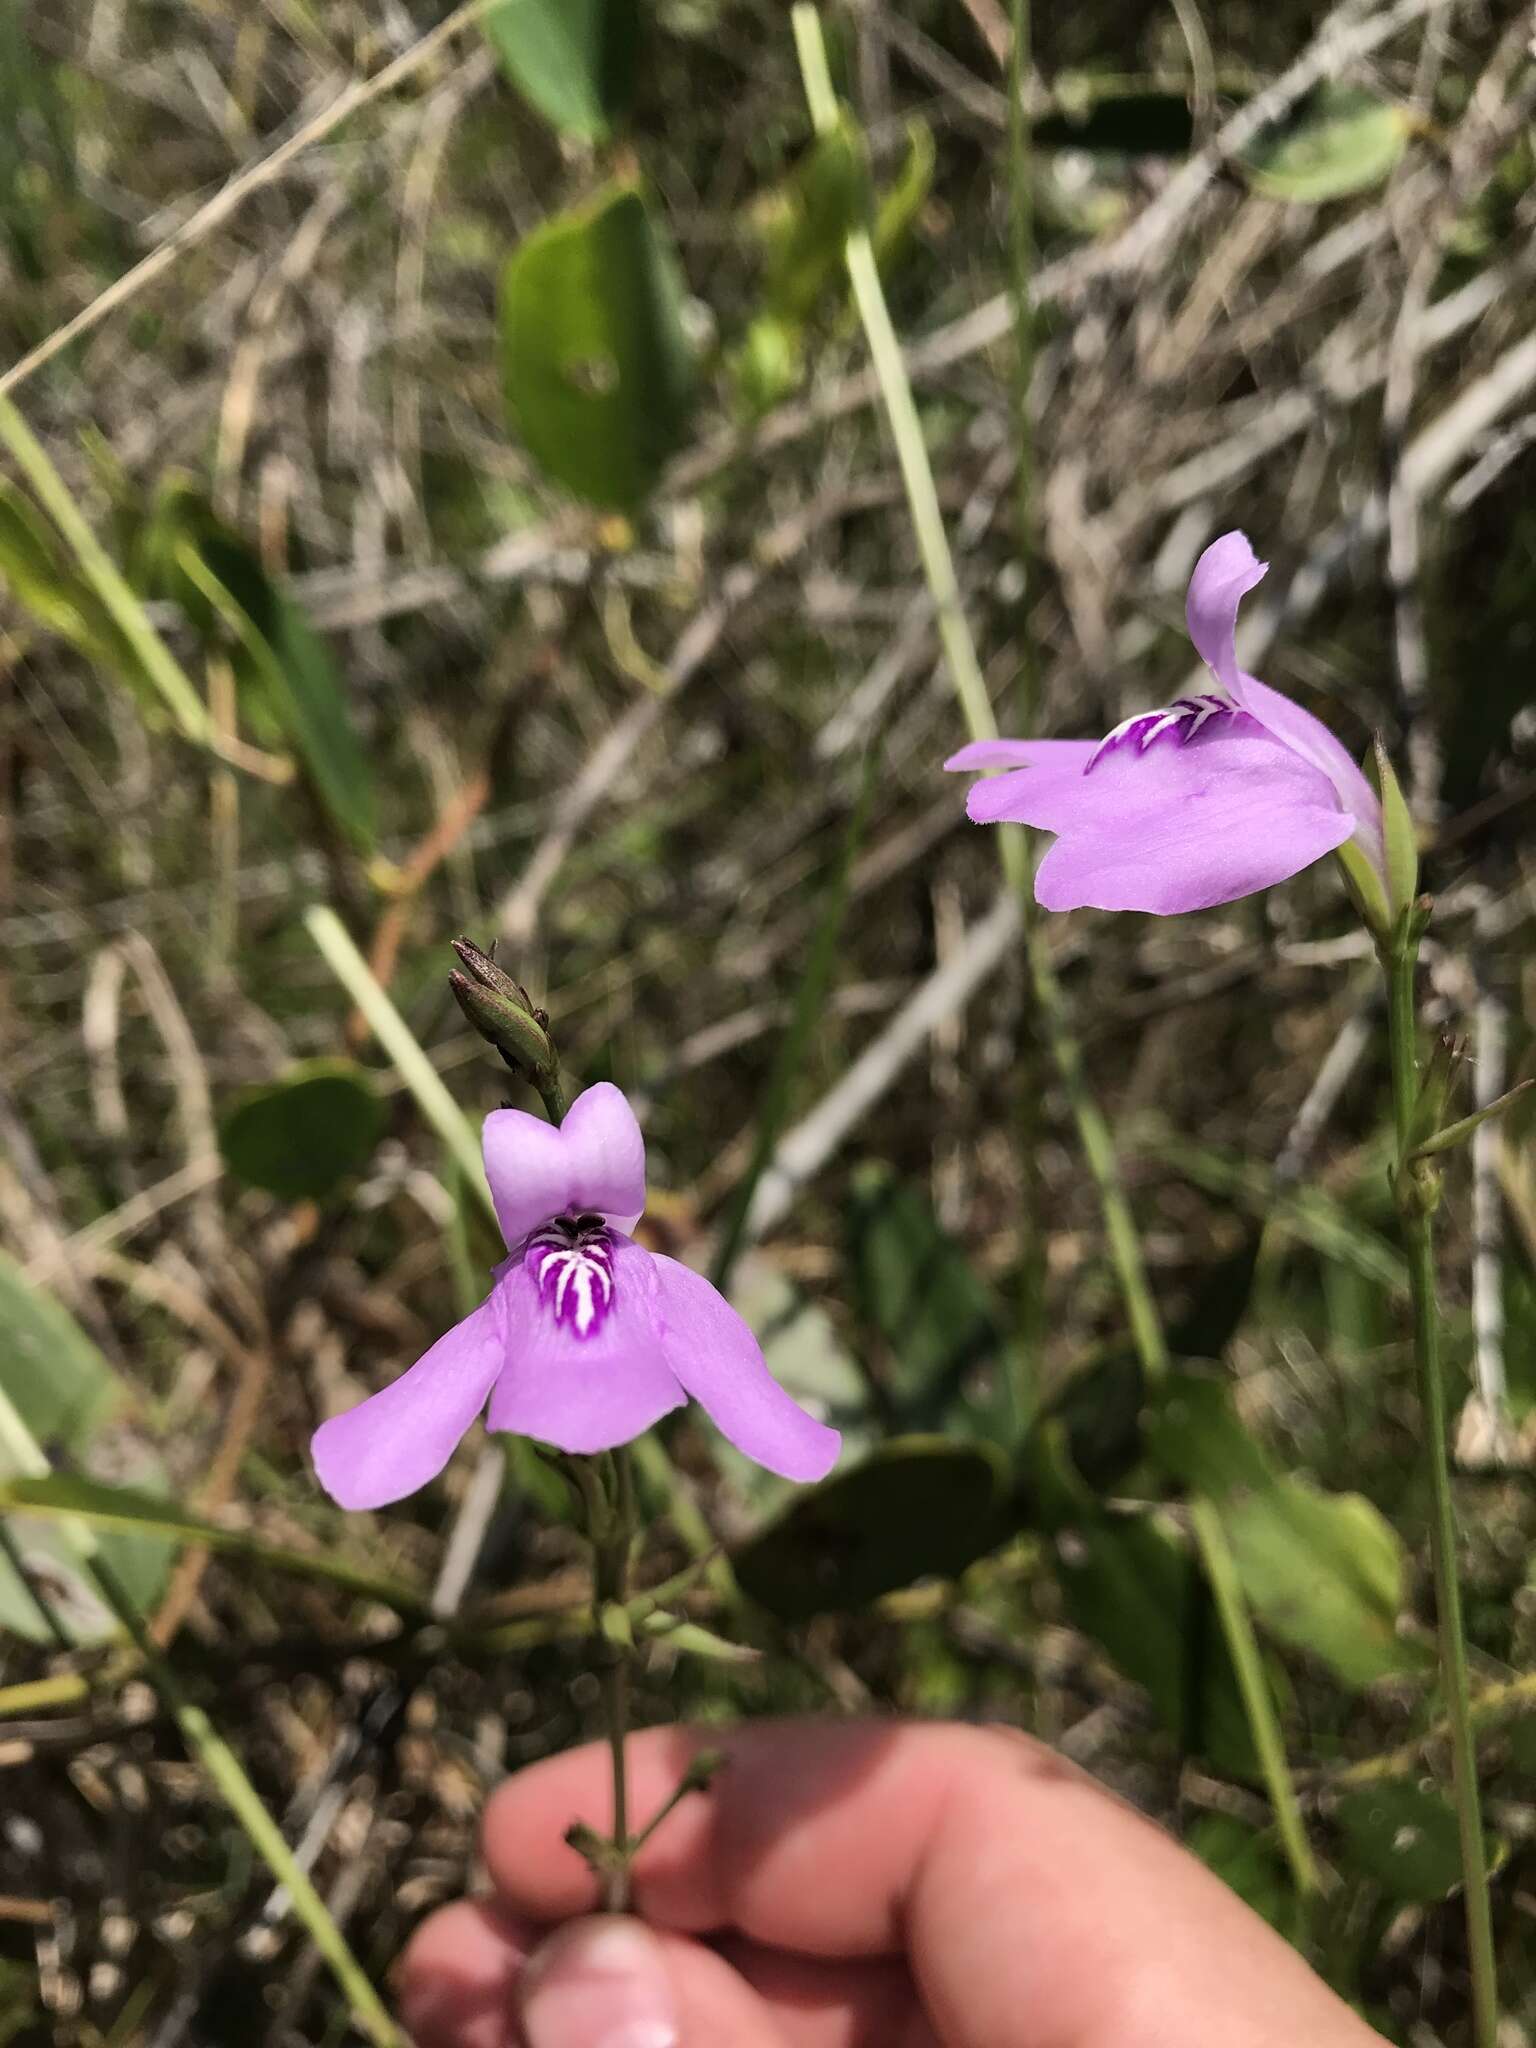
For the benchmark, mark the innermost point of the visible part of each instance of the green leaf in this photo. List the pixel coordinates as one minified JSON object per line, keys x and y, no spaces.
{"x":768,"y":364}
{"x":57,"y":1380}
{"x":299,"y":1137}
{"x":935,"y":1314}
{"x":917,"y":1508}
{"x":572,"y":60}
{"x":1324,"y":1572}
{"x":1403,"y":1837}
{"x":1340,"y":139}
{"x":284,"y":664}
{"x":596,"y":367}
{"x":1116,"y":115}
{"x":40,"y":576}
{"x":901,"y":203}
{"x":1194,"y":1435}
{"x":804,"y":222}
{"x":1220,"y":1301}
{"x":1128,"y":1585}
{"x":70,"y":1401}
{"x":1094,"y":1421}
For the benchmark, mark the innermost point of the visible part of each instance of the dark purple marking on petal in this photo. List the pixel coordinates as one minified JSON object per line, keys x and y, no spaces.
{"x":1184,"y":717}
{"x":570,"y":1261}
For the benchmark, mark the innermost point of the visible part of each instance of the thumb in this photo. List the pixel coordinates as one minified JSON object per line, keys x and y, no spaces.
{"x":598,"y":1983}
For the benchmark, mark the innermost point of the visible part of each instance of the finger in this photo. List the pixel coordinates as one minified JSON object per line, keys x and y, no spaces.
{"x":1036,"y":1911}
{"x":816,"y":2004}
{"x":454,"y":1982}
{"x":465,"y":1971}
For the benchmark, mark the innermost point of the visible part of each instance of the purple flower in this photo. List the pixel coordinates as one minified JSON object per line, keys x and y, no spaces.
{"x":584,"y":1339}
{"x":1206,"y":800}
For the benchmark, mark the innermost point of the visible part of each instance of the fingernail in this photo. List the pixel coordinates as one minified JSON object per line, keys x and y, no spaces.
{"x":598,"y":1983}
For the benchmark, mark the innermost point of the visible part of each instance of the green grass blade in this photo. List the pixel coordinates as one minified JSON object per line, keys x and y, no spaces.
{"x":105,"y":578}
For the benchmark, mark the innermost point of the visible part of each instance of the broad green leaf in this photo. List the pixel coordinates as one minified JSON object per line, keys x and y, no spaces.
{"x":804,"y":222}
{"x":57,"y":1380}
{"x":1220,"y":1301}
{"x":917,"y":1508}
{"x":1341,"y":139}
{"x":596,"y":367}
{"x":70,"y":1401}
{"x":1142,"y":1597}
{"x":941,"y":1331}
{"x":302,"y":1135}
{"x":1194,"y":1435}
{"x":573,"y":61}
{"x":1324,"y":1572}
{"x":281,"y":661}
{"x":1093,"y":1422}
{"x":130,"y":1510}
{"x":1403,"y":1837}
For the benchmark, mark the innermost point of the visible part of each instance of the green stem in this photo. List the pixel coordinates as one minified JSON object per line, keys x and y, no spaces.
{"x":612,"y":1544}
{"x":1243,"y":1648}
{"x":1050,"y":1000}
{"x":1415,"y":1199}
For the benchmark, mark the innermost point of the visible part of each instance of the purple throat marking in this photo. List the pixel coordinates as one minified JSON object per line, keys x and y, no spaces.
{"x":571,"y":1260}
{"x":1185,"y":716}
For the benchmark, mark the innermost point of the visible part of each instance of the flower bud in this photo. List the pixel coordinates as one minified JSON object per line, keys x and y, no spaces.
{"x":502,"y":1011}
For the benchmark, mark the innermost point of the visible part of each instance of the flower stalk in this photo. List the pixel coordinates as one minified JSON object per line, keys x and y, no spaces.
{"x":1050,"y":1000}
{"x":1416,"y":1188}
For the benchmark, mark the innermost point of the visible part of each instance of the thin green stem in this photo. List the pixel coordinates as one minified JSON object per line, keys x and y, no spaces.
{"x":1050,"y":1000}
{"x":1021,"y":250}
{"x":1415,"y":1189}
{"x":612,"y":1543}
{"x":1243,"y":1648}
{"x":400,"y":1042}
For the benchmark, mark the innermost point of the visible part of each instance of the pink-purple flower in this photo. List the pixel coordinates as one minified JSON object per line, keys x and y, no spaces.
{"x":585,"y":1338}
{"x":1203,"y":801}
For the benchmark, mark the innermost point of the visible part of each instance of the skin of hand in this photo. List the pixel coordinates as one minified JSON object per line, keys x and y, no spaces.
{"x":855,"y":1885}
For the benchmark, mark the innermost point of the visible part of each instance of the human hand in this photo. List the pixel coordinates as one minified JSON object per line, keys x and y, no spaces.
{"x":855,"y":1885}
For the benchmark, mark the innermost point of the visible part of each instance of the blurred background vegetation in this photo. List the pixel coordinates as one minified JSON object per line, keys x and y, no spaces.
{"x":482,"y":518}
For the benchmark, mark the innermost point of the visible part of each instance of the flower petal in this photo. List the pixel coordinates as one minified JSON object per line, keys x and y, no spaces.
{"x":1224,"y":574}
{"x":1222,"y":577}
{"x":1187,"y":825}
{"x":1307,"y":736}
{"x":1015,"y":753}
{"x":585,"y":1393}
{"x":719,"y":1361}
{"x":397,"y":1440}
{"x":594,"y":1161}
{"x":1049,"y":794}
